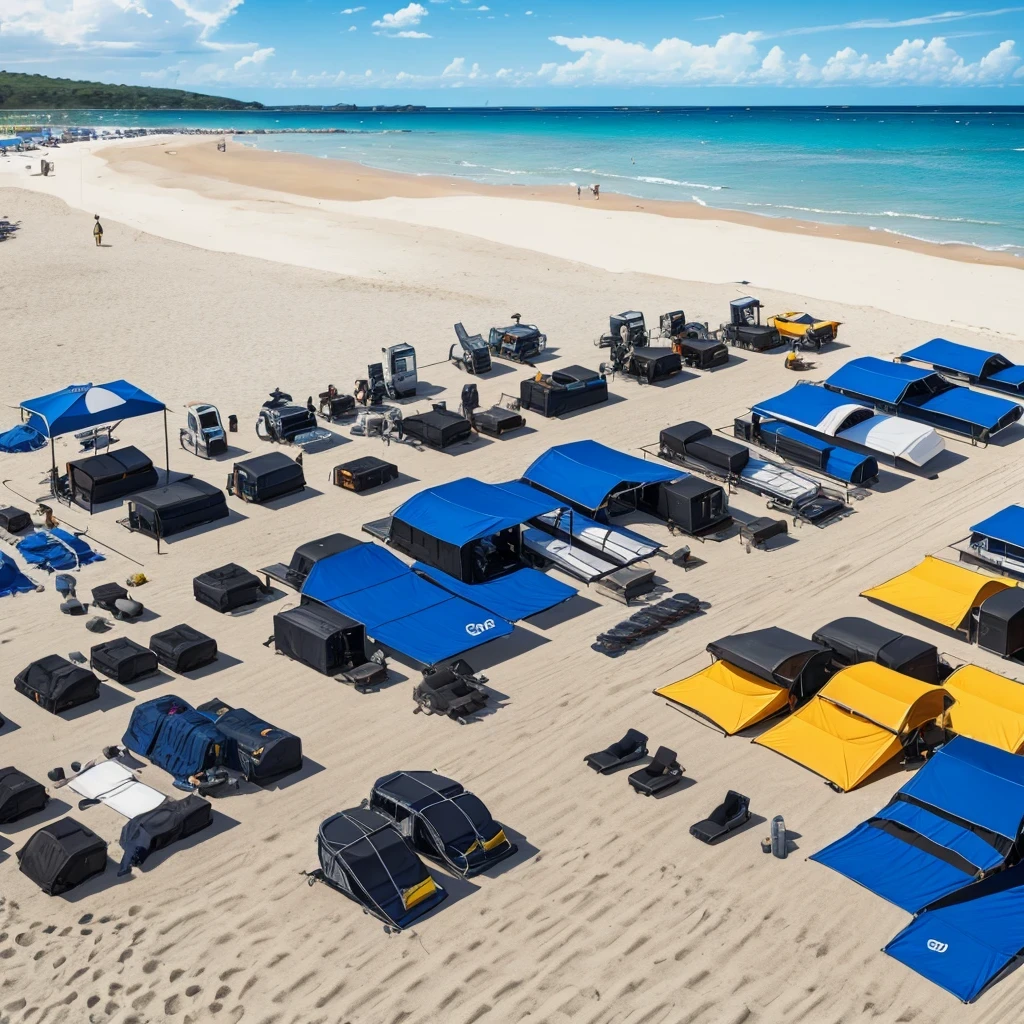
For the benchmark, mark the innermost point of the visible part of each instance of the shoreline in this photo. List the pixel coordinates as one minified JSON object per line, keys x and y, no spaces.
{"x":328,"y":178}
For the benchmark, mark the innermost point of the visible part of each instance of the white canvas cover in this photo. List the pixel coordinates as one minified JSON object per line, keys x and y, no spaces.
{"x":115,"y":785}
{"x":620,"y":546}
{"x":899,"y":438}
{"x":567,"y":557}
{"x":783,"y":483}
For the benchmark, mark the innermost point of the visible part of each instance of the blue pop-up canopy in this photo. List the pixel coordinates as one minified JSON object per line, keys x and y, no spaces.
{"x":466,"y":510}
{"x":399,"y":608}
{"x":980,"y":366}
{"x":1007,"y":526}
{"x":964,"y":942}
{"x":80,"y":406}
{"x":812,"y":406}
{"x":958,"y":818}
{"x":586,"y":474}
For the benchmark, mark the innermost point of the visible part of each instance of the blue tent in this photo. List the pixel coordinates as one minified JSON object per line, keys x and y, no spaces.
{"x":21,"y":438}
{"x":587,"y":474}
{"x":976,"y":365}
{"x":791,"y":442}
{"x":12,"y":579}
{"x":1003,"y":530}
{"x":966,"y":941}
{"x":923,"y":395}
{"x":398,"y":607}
{"x":56,"y":549}
{"x":812,"y":406}
{"x":465,"y":510}
{"x":80,"y":406}
{"x":517,"y":595}
{"x":175,"y":737}
{"x":959,"y":818}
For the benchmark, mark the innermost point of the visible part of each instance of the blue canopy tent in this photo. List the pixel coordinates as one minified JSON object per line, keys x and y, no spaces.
{"x":965,"y":942}
{"x":958,"y":819}
{"x":999,"y":540}
{"x":466,"y":537}
{"x":80,"y":406}
{"x":923,"y":395}
{"x":797,"y":445}
{"x":588,"y":475}
{"x":975,"y":365}
{"x":398,"y":607}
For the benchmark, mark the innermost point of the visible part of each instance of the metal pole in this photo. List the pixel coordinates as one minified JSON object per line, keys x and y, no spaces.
{"x":53,"y":468}
{"x":167,"y":449}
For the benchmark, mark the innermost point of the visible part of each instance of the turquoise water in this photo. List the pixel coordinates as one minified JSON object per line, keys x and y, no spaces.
{"x":940,"y":174}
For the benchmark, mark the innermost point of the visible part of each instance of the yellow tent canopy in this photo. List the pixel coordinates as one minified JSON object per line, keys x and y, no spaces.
{"x":938,"y":591}
{"x":855,"y":723}
{"x":730,"y":697}
{"x":988,"y":707}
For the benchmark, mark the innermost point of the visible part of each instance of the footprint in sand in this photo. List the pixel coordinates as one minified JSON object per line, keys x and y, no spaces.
{"x":176,"y":973}
{"x":172,"y":1005}
{"x":193,"y":990}
{"x":6,"y":954}
{"x":18,"y":1004}
{"x":126,"y":955}
{"x":132,"y":911}
{"x":25,"y":938}
{"x":85,"y":919}
{"x":150,"y":966}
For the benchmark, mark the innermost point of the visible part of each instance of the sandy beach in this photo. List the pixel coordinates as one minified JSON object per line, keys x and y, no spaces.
{"x":222,"y":277}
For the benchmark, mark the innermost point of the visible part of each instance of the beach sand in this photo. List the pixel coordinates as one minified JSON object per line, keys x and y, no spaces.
{"x":611,"y":913}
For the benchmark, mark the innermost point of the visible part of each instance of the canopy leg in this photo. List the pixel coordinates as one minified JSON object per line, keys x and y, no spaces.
{"x":167,"y":450}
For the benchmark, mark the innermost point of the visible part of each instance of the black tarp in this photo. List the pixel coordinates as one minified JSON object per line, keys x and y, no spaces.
{"x":320,"y":637}
{"x":779,"y":656}
{"x":169,"y":823}
{"x":266,"y":477}
{"x":439,"y":428}
{"x":1001,"y":623}
{"x":702,"y":353}
{"x":182,"y":648}
{"x":110,"y":476}
{"x":692,"y":505}
{"x":19,"y":795}
{"x":122,"y":660}
{"x":62,"y":855}
{"x":165,"y":511}
{"x":55,"y":684}
{"x":854,"y":640}
{"x":227,"y":587}
{"x":654,"y":364}
{"x":257,"y":749}
{"x":695,"y":440}
{"x":565,"y":390}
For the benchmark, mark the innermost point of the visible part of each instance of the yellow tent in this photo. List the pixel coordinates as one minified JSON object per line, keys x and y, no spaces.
{"x":988,"y":707}
{"x":728,"y":696}
{"x":938,"y":591}
{"x":855,"y":723}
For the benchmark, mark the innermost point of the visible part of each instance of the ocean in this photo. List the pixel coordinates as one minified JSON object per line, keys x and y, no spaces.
{"x":941,"y":174}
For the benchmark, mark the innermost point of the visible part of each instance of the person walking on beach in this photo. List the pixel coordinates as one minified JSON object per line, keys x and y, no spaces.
{"x":97,"y":230}
{"x":578,"y":190}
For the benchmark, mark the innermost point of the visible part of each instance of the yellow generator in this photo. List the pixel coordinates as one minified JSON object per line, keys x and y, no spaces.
{"x":803,"y":330}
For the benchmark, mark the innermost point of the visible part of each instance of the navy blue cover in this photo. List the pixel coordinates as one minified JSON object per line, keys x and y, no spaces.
{"x":400,"y":609}
{"x":586,"y":473}
{"x":840,"y":463}
{"x":174,"y":736}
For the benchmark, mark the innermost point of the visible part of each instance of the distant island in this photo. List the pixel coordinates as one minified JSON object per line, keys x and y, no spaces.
{"x":40,"y":92}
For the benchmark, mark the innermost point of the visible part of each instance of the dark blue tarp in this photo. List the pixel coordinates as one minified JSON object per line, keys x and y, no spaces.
{"x":808,"y":404}
{"x":399,"y":608}
{"x":174,"y":736}
{"x":948,"y":355}
{"x":56,"y":549}
{"x":80,"y":406}
{"x":1007,"y":525}
{"x":840,"y":463}
{"x":466,"y":510}
{"x":968,"y":939}
{"x":21,"y":438}
{"x":12,"y":579}
{"x":517,"y":595}
{"x":586,"y":473}
{"x":965,"y":787}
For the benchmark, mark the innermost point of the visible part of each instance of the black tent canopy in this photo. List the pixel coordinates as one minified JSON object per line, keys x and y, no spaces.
{"x":320,"y":637}
{"x":164,"y":511}
{"x":693,"y":505}
{"x":1000,"y":626}
{"x":778,"y":656}
{"x":439,"y":428}
{"x":110,"y":476}
{"x":854,"y":640}
{"x":266,"y":477}
{"x":363,"y":856}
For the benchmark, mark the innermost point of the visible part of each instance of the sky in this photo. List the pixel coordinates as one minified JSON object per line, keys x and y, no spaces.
{"x":532,"y":53}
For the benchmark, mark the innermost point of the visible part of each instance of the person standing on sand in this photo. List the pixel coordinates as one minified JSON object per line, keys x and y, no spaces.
{"x":578,"y":190}
{"x":97,"y":230}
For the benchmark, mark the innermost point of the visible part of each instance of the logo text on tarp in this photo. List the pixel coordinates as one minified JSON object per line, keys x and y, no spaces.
{"x":478,"y":628}
{"x":937,"y":947}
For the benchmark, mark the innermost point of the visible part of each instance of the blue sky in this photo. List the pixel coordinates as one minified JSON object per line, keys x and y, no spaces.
{"x":538,"y":52}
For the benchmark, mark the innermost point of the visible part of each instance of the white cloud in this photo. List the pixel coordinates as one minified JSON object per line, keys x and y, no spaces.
{"x":885,"y":23}
{"x":258,"y":56}
{"x":457,"y":67}
{"x":210,"y":14}
{"x":528,"y":13}
{"x":412,"y":35}
{"x":406,"y":17}
{"x":352,"y":28}
{"x":710,"y":17}
{"x":353,"y":10}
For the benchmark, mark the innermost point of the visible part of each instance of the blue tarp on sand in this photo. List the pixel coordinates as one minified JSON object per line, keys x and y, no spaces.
{"x":57,"y":549}
{"x":587,"y":474}
{"x":967,"y":940}
{"x":517,"y":595}
{"x":957,"y":818}
{"x":12,"y":579}
{"x":399,"y":608}
{"x":21,"y":438}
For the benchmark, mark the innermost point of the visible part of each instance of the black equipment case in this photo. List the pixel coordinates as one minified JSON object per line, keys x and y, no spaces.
{"x":19,"y":795}
{"x":266,"y":477}
{"x":259,"y":750}
{"x":123,"y":660}
{"x":62,"y":855}
{"x":169,"y":823}
{"x":696,"y":441}
{"x":226,"y":588}
{"x":364,"y":474}
{"x":320,"y":637}
{"x":57,"y":685}
{"x":13,"y":520}
{"x":183,"y":649}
